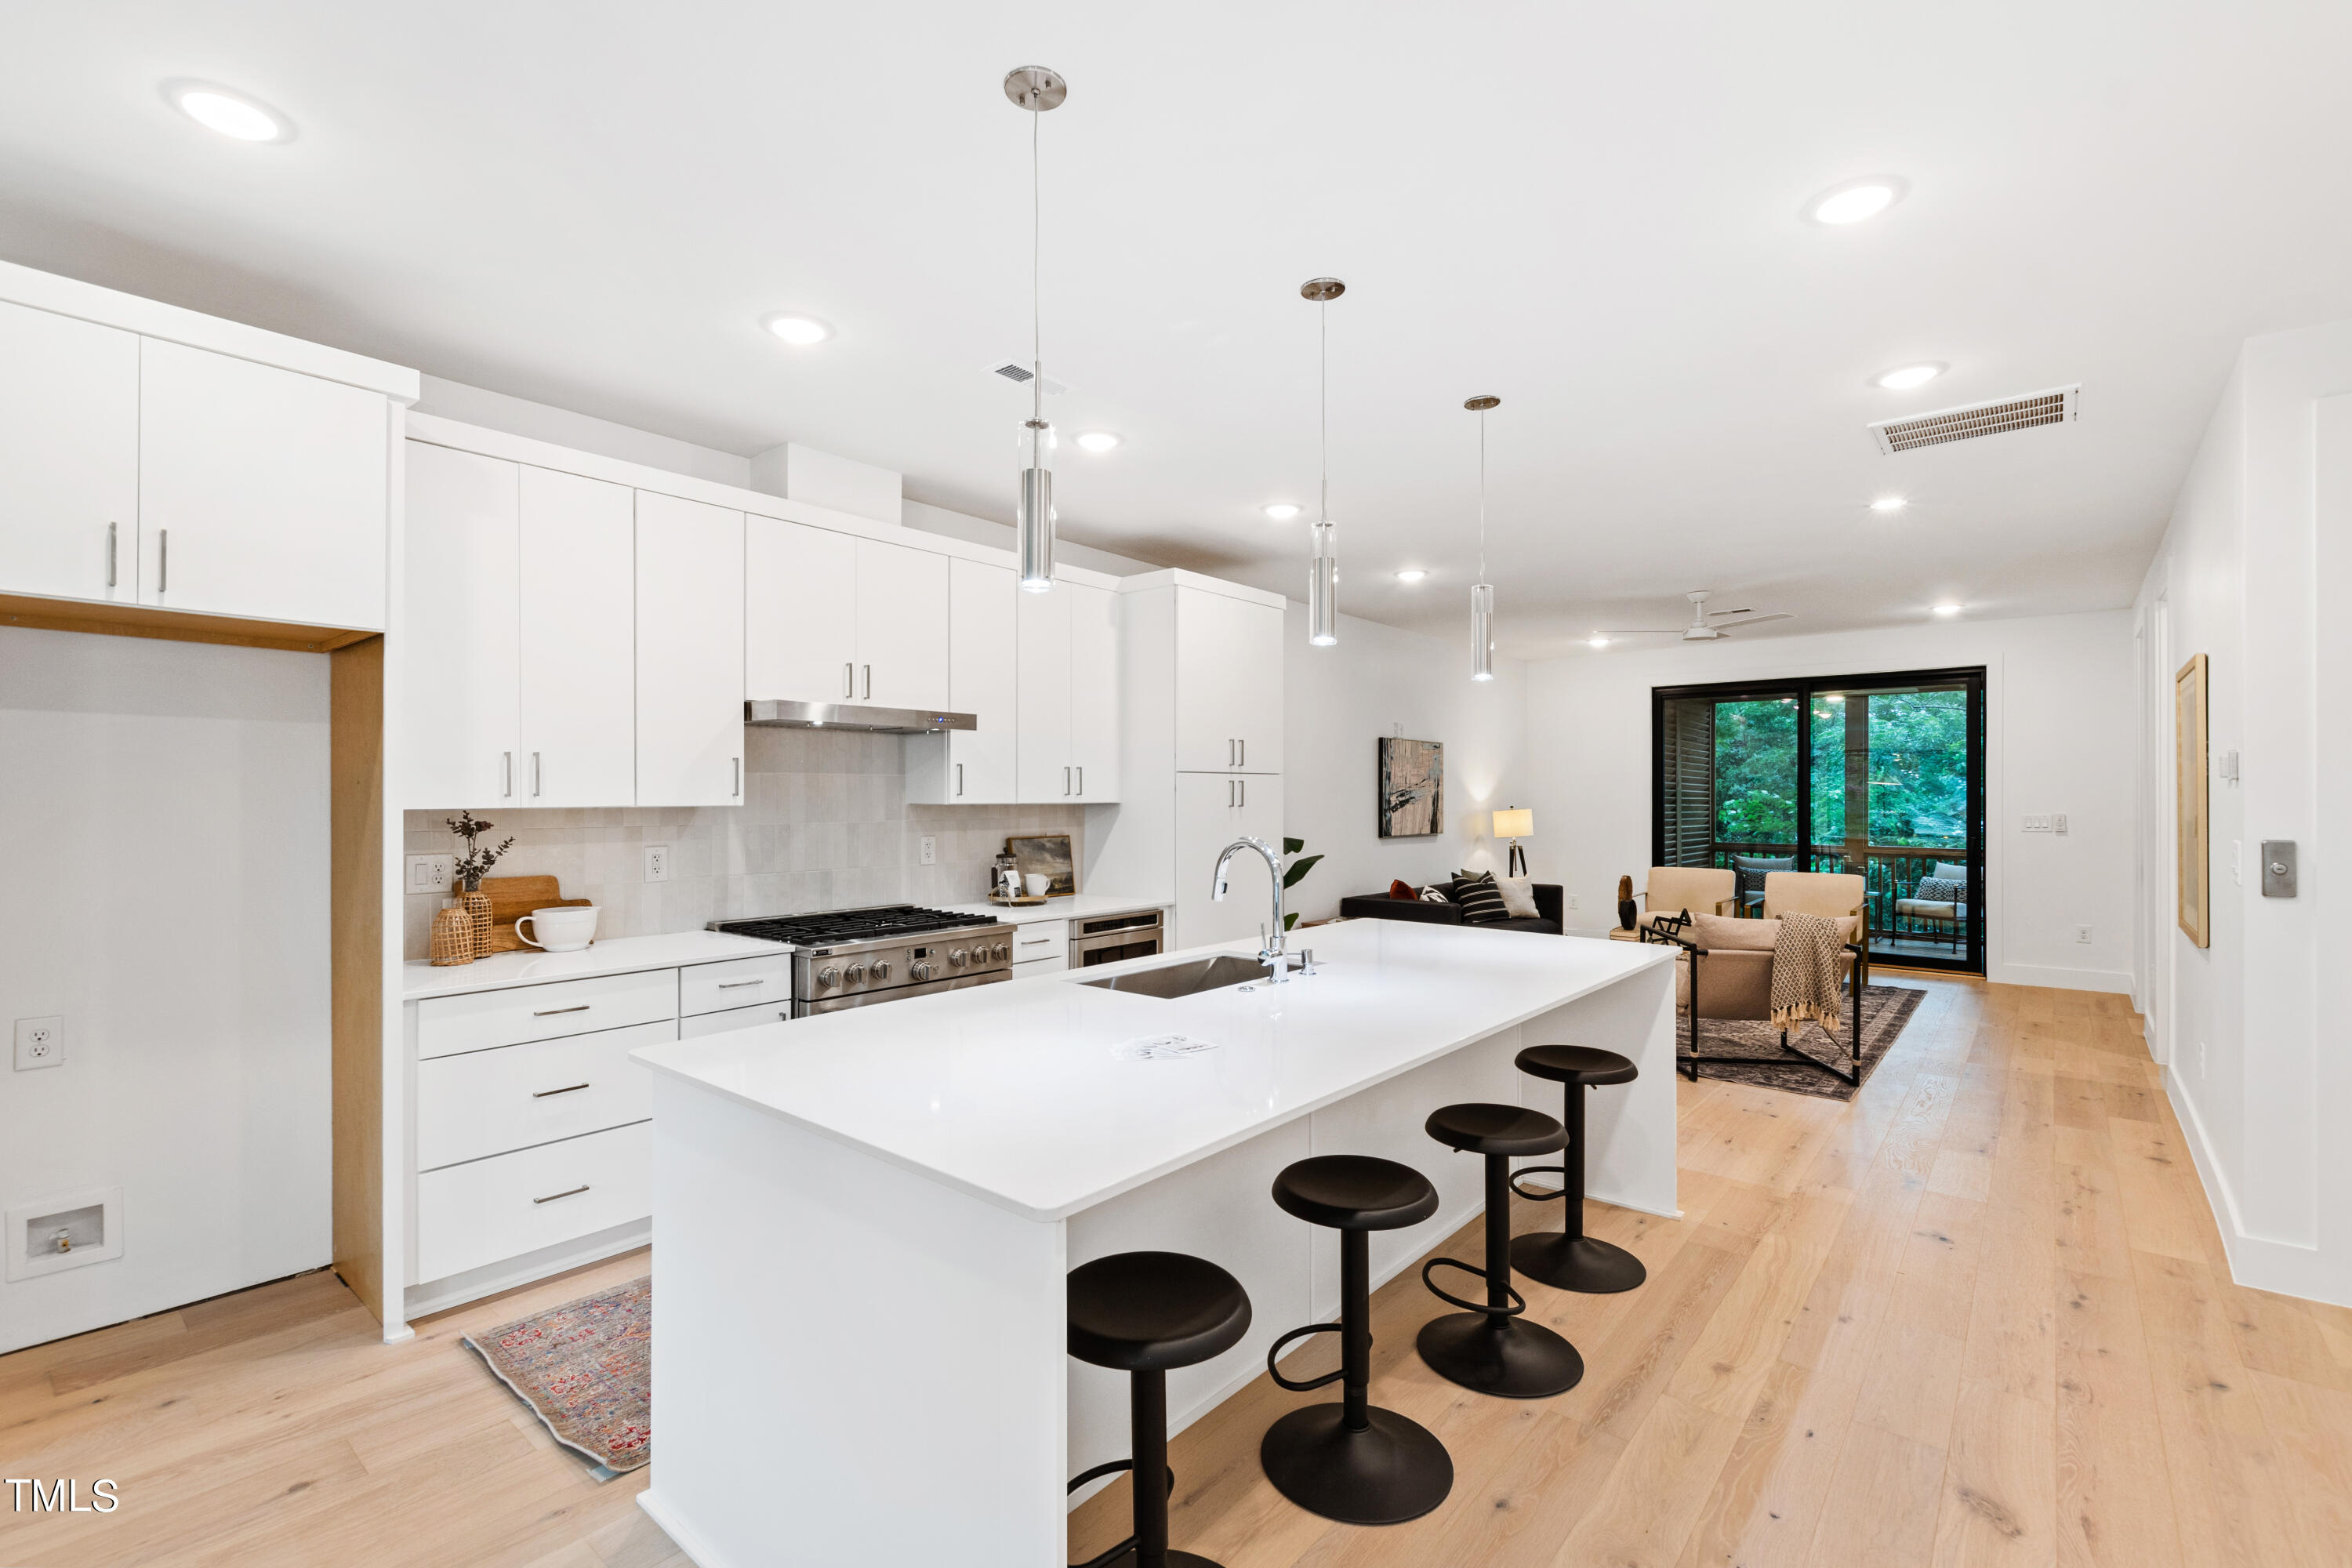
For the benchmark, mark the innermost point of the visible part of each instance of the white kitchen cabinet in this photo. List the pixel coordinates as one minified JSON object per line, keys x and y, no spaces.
{"x":974,"y":767}
{"x":689,"y":653}
{"x":1041,"y":639}
{"x":1229,"y":684}
{"x":1094,"y":691}
{"x":1212,"y":811}
{"x":69,"y":455}
{"x":262,"y":492}
{"x":460,"y":656}
{"x":902,"y":626}
{"x":577,"y":692}
{"x":800,"y":613}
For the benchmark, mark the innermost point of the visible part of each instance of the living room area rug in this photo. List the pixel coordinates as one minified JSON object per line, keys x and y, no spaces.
{"x":585,"y":1369}
{"x":1885,"y":1009}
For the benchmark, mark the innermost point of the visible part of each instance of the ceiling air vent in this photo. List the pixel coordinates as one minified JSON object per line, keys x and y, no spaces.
{"x":2056,"y":406}
{"x":1018,"y":372}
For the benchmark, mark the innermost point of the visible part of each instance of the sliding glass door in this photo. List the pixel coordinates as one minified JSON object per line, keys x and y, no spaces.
{"x":1879,"y":776}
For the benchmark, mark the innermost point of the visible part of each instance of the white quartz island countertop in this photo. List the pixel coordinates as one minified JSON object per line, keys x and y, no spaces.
{"x":1033,"y":1095}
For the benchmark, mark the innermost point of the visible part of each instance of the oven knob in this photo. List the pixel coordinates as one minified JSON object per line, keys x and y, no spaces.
{"x":1003,"y":950}
{"x":857,"y":973}
{"x":881,"y":970}
{"x":919,"y":970}
{"x":827,"y":976}
{"x":959,"y":958}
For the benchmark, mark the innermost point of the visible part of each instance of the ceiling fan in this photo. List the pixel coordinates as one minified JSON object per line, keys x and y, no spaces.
{"x":1703,"y":627}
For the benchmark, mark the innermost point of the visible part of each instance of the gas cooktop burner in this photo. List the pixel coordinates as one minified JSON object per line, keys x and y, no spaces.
{"x":837,"y":926}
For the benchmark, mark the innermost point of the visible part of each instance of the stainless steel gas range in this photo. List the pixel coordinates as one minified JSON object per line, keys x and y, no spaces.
{"x":849,"y":958}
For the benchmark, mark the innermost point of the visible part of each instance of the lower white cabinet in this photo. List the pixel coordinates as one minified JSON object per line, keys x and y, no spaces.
{"x":490,"y":1102}
{"x":512,"y":1014}
{"x":1212,"y":811}
{"x":734,"y":1019}
{"x":1042,"y":941}
{"x":474,"y":1214}
{"x":737,"y":983}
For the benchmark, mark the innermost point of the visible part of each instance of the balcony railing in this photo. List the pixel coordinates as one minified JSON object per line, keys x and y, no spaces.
{"x":1891,"y":874}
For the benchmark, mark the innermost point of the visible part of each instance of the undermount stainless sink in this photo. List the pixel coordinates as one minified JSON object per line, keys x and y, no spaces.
{"x":1170,"y":980}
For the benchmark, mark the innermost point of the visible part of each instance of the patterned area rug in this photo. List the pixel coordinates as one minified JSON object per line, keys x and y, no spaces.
{"x":585,"y":1368}
{"x":1884,"y":1010}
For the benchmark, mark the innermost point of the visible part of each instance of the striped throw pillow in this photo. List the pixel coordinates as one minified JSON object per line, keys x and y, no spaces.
{"x":1481,"y":900}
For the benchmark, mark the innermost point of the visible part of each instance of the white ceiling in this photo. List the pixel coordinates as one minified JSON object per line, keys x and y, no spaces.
{"x":1592,"y":212}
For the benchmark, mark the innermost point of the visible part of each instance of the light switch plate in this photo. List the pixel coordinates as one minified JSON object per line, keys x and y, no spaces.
{"x":2278,"y":867}
{"x":40,"y":1043}
{"x":657,"y":862}
{"x":2057,"y":822}
{"x":429,"y":873}
{"x":2037,"y":824}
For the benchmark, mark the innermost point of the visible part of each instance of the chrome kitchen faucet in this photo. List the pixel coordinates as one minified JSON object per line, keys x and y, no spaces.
{"x":1270,"y":952}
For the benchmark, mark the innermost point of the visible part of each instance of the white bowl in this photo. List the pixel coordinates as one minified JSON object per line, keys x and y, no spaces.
{"x":564,"y":927}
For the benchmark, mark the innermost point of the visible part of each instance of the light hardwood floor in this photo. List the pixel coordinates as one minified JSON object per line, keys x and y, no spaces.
{"x":1980,"y":1315}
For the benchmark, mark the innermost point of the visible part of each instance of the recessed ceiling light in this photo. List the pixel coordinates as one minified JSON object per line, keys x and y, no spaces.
{"x":232,"y":115}
{"x":1902,"y":378}
{"x":1098,"y":440}
{"x":1282,"y":511}
{"x":1889,"y":503}
{"x":1597,"y":642}
{"x":799,"y":330}
{"x":1947,"y":609}
{"x":1854,"y":201}
{"x":1411,"y":575}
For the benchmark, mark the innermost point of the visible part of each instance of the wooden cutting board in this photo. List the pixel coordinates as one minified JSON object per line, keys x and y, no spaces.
{"x":512,"y":898}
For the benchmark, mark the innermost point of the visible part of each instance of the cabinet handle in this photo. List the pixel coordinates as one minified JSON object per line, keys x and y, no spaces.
{"x":110,"y":554}
{"x":849,"y":680}
{"x":959,"y":778}
{"x":162,"y":558}
{"x":1082,"y":778}
{"x":506,"y":775}
{"x":1244,"y":791}
{"x":738,"y":985}
{"x":1065,"y":781}
{"x":552,"y":1197}
{"x":1033,"y":941}
{"x":869,"y":683}
{"x":534,"y":772}
{"x":1242,"y":745}
{"x":1229,"y":753}
{"x":739,"y":777}
{"x":1229,"y":784}
{"x":567,"y":1088}
{"x":552,"y":1012}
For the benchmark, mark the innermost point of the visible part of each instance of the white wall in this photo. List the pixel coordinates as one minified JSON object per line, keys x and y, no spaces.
{"x":1337,"y":704}
{"x":2251,"y":574}
{"x":2058,"y":736}
{"x":543,"y":421}
{"x":1001,"y":536}
{"x":163,"y":827}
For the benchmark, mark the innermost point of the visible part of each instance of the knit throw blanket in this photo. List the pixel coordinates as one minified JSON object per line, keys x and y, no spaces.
{"x":1805,"y":972}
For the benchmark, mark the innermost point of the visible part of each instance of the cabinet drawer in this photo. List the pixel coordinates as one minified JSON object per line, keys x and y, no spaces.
{"x":1032,"y":968}
{"x":738,"y":983}
{"x":445,"y":1024}
{"x":1041,"y":939}
{"x":488,"y":1102}
{"x":701,"y":1024}
{"x":470,"y":1215}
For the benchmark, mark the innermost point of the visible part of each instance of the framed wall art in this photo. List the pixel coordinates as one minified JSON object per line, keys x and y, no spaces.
{"x":2192,"y":828}
{"x":1412,"y":788}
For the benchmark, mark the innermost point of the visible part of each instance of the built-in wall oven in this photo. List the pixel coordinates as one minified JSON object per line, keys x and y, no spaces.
{"x":1108,"y":939}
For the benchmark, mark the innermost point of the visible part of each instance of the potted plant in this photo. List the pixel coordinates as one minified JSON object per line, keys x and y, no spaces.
{"x":471,"y":867}
{"x":1293,"y":872}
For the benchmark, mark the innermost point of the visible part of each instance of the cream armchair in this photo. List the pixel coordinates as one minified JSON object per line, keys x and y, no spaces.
{"x":1840,"y":896}
{"x":1701,"y":890}
{"x":1724,"y":971}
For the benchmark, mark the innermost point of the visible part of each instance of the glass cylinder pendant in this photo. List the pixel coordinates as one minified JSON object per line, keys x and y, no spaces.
{"x":1035,"y":511}
{"x":1482,"y":631}
{"x":1323,"y":587}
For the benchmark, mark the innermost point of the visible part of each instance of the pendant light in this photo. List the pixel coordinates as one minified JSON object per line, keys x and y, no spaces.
{"x":1482,"y":593}
{"x":1036,"y":90}
{"x":1323,"y":576}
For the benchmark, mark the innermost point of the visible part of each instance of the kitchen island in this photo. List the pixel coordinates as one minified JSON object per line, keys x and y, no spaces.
{"x":865,"y":1219}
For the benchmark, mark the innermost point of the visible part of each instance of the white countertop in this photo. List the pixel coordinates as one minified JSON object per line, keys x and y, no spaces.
{"x":613,"y":955}
{"x":1018,"y":1092}
{"x":1074,"y":906}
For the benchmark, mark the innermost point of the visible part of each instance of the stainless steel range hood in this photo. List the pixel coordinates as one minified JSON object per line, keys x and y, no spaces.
{"x":846,"y":716}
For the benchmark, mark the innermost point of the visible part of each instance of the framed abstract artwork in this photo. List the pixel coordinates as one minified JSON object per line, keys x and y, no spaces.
{"x":1412,"y":788}
{"x":2192,"y":828}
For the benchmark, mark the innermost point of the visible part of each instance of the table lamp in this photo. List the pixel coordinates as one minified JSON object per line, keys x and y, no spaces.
{"x":1515,"y":823}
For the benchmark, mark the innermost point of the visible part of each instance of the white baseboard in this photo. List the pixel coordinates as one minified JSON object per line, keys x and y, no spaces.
{"x":697,"y":1551}
{"x":440,"y":1295}
{"x":2117,"y":982}
{"x":2257,"y":1262}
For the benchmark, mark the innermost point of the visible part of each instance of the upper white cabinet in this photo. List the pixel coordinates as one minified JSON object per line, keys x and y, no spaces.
{"x":832,"y":618}
{"x":69,"y":457}
{"x":577,"y":700}
{"x":800,"y":613}
{"x":1094,"y":704}
{"x":1069,"y":698}
{"x":1228,"y":692}
{"x":974,"y":767}
{"x":689,"y":653}
{"x":262,"y":492}
{"x":460,"y":654}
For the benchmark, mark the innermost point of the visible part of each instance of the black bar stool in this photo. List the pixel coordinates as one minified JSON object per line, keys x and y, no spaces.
{"x":1353,"y":1461}
{"x":1142,"y":1314}
{"x":1493,"y":1349}
{"x":1572,"y":1260}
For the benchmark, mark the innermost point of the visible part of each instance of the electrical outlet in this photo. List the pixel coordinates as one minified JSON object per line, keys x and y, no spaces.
{"x":657,"y":862}
{"x":2200,"y":1058}
{"x":931,"y":850}
{"x":2081,"y":933}
{"x":1573,"y":903}
{"x":2057,"y":822}
{"x":40,"y":1043}
{"x":430,"y":873}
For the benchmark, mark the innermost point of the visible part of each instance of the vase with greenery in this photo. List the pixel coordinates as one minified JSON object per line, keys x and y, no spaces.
{"x":1293,"y":872}
{"x":468,"y":872}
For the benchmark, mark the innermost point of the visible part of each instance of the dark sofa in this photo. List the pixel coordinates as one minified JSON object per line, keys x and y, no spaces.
{"x":1550,"y":903}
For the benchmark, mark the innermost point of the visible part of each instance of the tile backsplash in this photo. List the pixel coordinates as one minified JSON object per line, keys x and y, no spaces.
{"x":824,"y":825}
